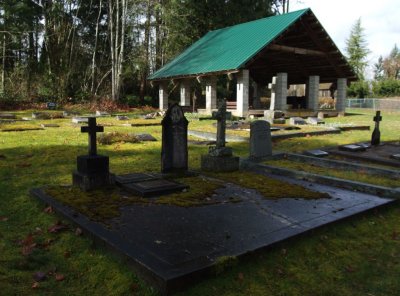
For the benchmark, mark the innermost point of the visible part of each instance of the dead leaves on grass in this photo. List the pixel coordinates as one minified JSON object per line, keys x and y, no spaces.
{"x":3,"y":219}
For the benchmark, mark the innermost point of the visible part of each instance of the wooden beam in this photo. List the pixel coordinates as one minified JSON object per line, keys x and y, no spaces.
{"x":296,"y":50}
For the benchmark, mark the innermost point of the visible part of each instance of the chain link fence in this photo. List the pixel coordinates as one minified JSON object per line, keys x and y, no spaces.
{"x":375,"y":104}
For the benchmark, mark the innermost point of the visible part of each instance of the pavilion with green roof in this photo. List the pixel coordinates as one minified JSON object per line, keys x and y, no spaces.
{"x":278,"y":51}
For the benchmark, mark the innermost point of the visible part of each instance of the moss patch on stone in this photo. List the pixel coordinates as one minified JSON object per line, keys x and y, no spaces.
{"x":104,"y":204}
{"x":270,"y":188}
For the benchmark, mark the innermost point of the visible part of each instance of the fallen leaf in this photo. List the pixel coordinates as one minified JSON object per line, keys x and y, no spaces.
{"x":3,"y":219}
{"x":27,"y":245}
{"x":38,"y":230}
{"x":395,"y":235}
{"x":57,"y":227}
{"x":350,"y":269}
{"x":35,"y":285}
{"x":48,"y":210}
{"x":134,"y":287}
{"x":59,"y":277}
{"x":78,"y":231}
{"x":240,"y":276}
{"x":67,"y":254}
{"x":39,"y":276}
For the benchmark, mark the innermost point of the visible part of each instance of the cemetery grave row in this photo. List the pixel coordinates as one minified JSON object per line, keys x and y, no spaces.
{"x":174,"y":225}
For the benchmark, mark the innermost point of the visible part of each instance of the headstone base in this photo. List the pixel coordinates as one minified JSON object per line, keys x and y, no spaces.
{"x":219,"y":164}
{"x":92,"y":172}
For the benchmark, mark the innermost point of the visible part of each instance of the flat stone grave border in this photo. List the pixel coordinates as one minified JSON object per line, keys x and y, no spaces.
{"x":332,"y":181}
{"x":374,"y":154}
{"x":172,"y":247}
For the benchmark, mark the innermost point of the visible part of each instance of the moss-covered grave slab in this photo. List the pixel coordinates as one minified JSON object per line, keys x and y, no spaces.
{"x":176,"y":240}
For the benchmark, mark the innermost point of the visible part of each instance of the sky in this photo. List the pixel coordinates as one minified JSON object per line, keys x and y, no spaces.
{"x":380,"y":20}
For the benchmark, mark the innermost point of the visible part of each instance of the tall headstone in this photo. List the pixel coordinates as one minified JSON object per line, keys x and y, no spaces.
{"x":92,"y":169}
{"x":260,"y":139}
{"x":174,"y":154}
{"x":219,"y":157}
{"x":376,"y":134}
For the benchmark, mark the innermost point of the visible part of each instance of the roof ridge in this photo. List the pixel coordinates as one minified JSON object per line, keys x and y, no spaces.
{"x":261,"y":19}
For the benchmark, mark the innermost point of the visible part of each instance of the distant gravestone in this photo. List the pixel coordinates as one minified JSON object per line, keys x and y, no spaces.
{"x":315,"y":120}
{"x":316,"y":153}
{"x":174,"y":154}
{"x":51,"y":105}
{"x":102,"y":113}
{"x":297,"y":121}
{"x":122,"y":117}
{"x":352,"y":148}
{"x":145,"y":137}
{"x":78,"y":120}
{"x":376,"y":134}
{"x":92,"y":169}
{"x":260,"y":139}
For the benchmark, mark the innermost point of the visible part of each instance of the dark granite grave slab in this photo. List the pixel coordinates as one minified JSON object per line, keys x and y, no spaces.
{"x":352,"y":148}
{"x":380,"y":154}
{"x":173,"y":247}
{"x":316,"y":153}
{"x":154,"y":187}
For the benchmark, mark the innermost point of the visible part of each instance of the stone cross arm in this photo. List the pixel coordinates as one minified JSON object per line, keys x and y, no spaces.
{"x":92,"y":129}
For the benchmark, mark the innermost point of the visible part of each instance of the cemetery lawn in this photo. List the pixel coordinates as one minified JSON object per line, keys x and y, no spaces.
{"x":360,"y":256}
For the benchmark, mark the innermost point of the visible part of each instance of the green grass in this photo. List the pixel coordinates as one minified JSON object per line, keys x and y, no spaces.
{"x":356,"y":257}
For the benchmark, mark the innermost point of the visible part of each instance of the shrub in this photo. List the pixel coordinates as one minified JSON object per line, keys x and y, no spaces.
{"x":386,"y":88}
{"x":358,"y":89}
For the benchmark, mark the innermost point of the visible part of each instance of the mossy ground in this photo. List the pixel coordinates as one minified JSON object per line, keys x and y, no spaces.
{"x":355,"y":257}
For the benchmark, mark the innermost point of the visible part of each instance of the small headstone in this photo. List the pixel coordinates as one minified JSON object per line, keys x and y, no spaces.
{"x":102,"y":113}
{"x":316,"y":153}
{"x":78,"y":120}
{"x":7,"y":116}
{"x":352,"y":148}
{"x":154,"y":187}
{"x":122,"y":117}
{"x":321,"y":115}
{"x":51,"y":105}
{"x":27,"y":118}
{"x":395,"y":156}
{"x":150,"y":115}
{"x":49,"y":125}
{"x":297,"y":121}
{"x":92,"y":170}
{"x":260,"y":139}
{"x":174,"y":153}
{"x":315,"y":120}
{"x":376,"y":134}
{"x":145,"y":137}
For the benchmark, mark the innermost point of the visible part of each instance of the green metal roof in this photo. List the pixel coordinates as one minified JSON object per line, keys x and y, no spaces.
{"x":228,"y":48}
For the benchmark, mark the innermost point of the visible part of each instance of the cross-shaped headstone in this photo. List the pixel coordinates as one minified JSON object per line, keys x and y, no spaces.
{"x":92,"y":129}
{"x":220,"y":116}
{"x":376,"y":134}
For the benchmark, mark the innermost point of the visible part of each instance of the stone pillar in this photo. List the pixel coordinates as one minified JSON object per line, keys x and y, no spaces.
{"x":163,"y":96}
{"x":211,"y":94}
{"x":256,"y":96}
{"x":185,"y":93}
{"x":279,"y":92}
{"x":242,"y":93}
{"x":341,"y":95}
{"x":313,"y":93}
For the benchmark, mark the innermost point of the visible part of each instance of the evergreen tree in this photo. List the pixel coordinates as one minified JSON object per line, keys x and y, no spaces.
{"x":378,"y":69}
{"x":357,"y":49}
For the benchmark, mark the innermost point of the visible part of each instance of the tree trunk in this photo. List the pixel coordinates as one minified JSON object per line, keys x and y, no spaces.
{"x":146,"y":42}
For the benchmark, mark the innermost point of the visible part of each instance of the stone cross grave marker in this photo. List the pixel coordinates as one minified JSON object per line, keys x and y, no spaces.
{"x":92,"y":170}
{"x":174,"y":153}
{"x":376,"y":134}
{"x":92,"y":129}
{"x":220,"y":116}
{"x":260,"y":139}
